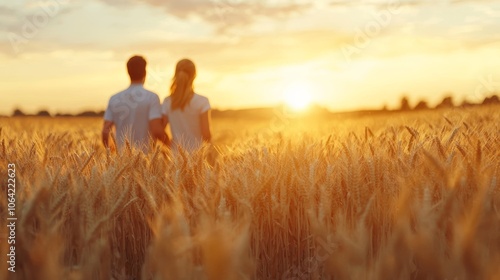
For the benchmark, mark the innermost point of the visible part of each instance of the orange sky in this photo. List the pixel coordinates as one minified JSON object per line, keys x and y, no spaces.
{"x":67,"y":56}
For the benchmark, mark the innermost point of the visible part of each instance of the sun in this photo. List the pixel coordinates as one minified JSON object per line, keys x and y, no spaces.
{"x":297,"y":96}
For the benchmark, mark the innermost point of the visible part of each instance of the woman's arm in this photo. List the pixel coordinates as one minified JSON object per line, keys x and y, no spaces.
{"x":205,"y":126}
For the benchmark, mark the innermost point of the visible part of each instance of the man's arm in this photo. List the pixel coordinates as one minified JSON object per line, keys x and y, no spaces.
{"x":205,"y":126}
{"x":156,"y":128}
{"x":164,"y":121}
{"x":106,"y":130}
{"x":158,"y":131}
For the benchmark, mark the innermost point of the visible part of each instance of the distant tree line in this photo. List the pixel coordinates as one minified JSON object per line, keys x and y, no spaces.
{"x":45,"y":113}
{"x":447,"y":102}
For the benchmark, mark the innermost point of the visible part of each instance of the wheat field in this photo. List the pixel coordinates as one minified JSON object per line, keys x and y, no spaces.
{"x":403,"y":196}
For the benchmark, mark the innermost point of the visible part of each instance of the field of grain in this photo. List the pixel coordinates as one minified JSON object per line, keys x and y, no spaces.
{"x":401,"y":196}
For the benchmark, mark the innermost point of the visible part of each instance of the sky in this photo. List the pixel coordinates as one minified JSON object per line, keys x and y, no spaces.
{"x":68,"y":56}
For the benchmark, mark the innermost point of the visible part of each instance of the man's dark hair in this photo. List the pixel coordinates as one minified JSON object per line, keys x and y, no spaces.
{"x":136,"y":67}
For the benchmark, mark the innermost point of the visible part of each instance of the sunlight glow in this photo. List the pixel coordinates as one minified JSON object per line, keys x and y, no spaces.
{"x":297,"y":96}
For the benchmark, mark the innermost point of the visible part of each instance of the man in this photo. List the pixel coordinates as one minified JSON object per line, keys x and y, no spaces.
{"x":136,"y":112}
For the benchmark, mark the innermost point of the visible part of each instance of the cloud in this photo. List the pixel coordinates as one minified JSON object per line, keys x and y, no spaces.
{"x":6,"y":11}
{"x":7,"y":15}
{"x":382,"y":4}
{"x":230,"y":17}
{"x":223,"y":14}
{"x":248,"y":53}
{"x":22,"y":24}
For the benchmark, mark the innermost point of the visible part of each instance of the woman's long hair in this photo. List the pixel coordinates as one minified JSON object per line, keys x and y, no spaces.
{"x":181,"y":90}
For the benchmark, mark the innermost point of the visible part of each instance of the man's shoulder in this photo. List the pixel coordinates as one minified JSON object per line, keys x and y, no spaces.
{"x":152,"y":96}
{"x":142,"y":90}
{"x":118,"y":94}
{"x":152,"y":93}
{"x":147,"y":93}
{"x":116,"y":97}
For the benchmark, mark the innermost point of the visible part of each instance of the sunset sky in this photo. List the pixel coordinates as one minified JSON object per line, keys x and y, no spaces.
{"x":68,"y":56}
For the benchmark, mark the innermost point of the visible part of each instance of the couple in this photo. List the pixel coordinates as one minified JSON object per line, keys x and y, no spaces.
{"x":138,"y":115}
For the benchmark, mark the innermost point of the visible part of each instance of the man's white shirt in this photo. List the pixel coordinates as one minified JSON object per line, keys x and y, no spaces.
{"x":131,"y":111}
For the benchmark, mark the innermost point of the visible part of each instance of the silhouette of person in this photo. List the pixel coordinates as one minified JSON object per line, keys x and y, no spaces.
{"x":135,"y":112}
{"x":187,"y":112}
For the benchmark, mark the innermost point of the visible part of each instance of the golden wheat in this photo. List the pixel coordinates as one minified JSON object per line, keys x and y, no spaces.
{"x":412,"y":196}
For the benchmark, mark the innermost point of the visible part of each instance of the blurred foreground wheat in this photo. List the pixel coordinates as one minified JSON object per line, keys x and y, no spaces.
{"x":400,"y":197}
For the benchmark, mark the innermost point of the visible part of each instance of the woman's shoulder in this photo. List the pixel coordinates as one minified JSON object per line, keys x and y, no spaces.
{"x":200,"y":103}
{"x":200,"y":98}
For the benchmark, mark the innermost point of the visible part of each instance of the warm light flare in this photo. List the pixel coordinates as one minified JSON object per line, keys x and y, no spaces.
{"x":297,"y":96}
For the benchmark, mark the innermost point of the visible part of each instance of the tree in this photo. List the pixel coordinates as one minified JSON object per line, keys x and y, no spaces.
{"x":405,"y":105}
{"x":446,"y":103}
{"x":43,"y":113}
{"x":63,"y":115}
{"x":87,"y":114}
{"x":422,"y":105}
{"x":491,"y":100}
{"x":18,"y":113}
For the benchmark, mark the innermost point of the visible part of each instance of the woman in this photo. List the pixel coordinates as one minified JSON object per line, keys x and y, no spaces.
{"x":187,"y":112}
